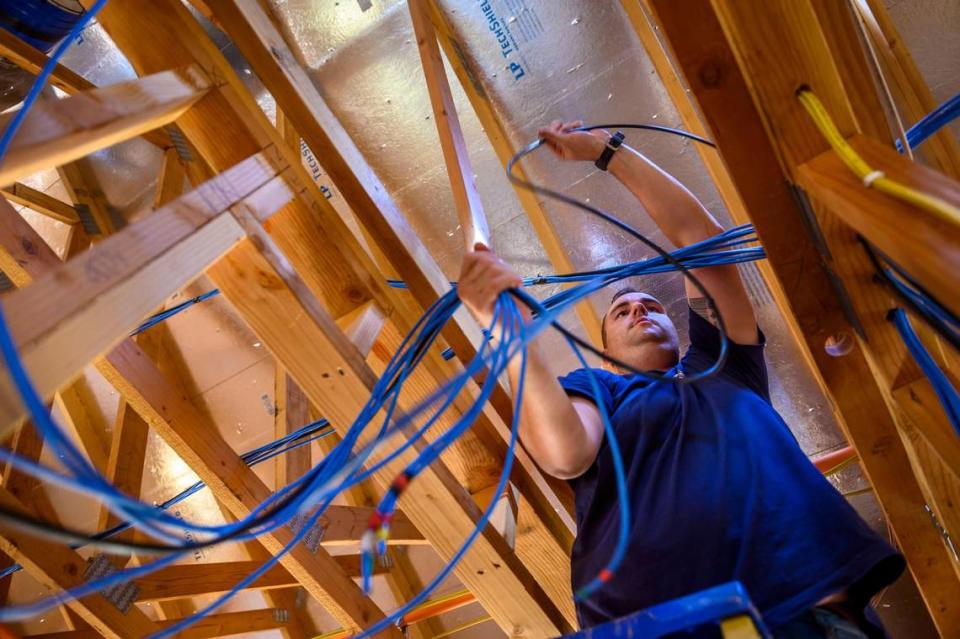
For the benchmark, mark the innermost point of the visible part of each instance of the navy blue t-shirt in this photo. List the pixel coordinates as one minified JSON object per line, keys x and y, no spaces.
{"x":719,"y":490}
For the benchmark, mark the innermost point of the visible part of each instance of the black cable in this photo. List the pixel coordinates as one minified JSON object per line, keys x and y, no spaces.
{"x":607,"y":217}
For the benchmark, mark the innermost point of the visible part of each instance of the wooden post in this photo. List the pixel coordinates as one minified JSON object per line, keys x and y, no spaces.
{"x":465,"y":195}
{"x":497,"y":134}
{"x":743,"y":65}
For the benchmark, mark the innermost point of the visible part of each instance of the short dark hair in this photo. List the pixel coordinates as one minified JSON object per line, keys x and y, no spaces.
{"x":626,"y":290}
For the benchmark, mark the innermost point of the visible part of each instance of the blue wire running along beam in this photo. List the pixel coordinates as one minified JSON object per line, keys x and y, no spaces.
{"x":946,"y":393}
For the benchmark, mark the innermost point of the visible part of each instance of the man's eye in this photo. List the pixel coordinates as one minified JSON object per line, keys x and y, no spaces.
{"x":621,"y":313}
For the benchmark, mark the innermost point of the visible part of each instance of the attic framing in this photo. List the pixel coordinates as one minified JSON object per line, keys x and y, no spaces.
{"x":256,"y":223}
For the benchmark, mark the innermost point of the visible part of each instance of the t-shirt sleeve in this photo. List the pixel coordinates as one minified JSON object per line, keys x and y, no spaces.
{"x":578,"y":384}
{"x":745,"y":363}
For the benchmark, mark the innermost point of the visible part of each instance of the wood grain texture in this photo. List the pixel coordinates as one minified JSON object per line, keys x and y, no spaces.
{"x":743,"y":65}
{"x":468,"y":74}
{"x":57,"y":132}
{"x":104,"y":293}
{"x":41,"y":203}
{"x":58,"y":567}
{"x":234,"y":485}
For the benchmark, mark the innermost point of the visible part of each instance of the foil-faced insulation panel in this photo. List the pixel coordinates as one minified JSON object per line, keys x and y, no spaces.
{"x":537,"y":61}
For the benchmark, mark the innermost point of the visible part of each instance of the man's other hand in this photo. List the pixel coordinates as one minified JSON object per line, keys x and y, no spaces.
{"x":573,"y":145}
{"x":483,"y":276}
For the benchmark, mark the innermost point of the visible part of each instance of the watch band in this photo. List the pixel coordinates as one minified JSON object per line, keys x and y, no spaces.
{"x":614,"y":143}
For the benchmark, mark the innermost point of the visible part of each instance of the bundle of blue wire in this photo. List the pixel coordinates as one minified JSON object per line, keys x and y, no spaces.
{"x":932,"y":122}
{"x":920,"y":301}
{"x":349,"y":462}
{"x":717,"y":250}
{"x":297,"y":439}
{"x":946,"y":393}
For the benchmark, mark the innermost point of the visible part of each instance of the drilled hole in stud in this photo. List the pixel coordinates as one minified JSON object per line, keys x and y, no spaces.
{"x":839,"y":344}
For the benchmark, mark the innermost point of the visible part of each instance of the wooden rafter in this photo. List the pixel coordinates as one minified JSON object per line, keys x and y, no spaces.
{"x":495,"y":128}
{"x":141,"y":266}
{"x":303,"y":281}
{"x":743,"y":68}
{"x":56,"y":132}
{"x":179,"y":423}
{"x":466,"y":198}
{"x":41,"y":203}
{"x":333,"y":267}
{"x":58,"y":567}
{"x":33,"y":60}
{"x":276,"y":64}
{"x":190,"y":580}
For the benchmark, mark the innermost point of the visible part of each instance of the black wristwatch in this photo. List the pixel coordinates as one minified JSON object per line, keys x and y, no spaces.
{"x":612,"y":145}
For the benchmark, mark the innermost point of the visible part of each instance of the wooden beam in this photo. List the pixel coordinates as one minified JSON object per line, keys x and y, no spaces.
{"x":333,"y":266}
{"x":192,"y":580}
{"x":640,"y":16}
{"x":910,"y":89}
{"x":41,"y":203}
{"x":59,"y":568}
{"x":88,"y":198}
{"x":165,"y":407}
{"x":103,"y":294}
{"x":743,"y":65}
{"x":466,"y":198}
{"x":291,"y":410}
{"x":23,"y":253}
{"x":344,"y":525}
{"x":469,"y":76}
{"x":24,"y":256}
{"x":25,"y":488}
{"x":57,"y":132}
{"x":80,"y":412}
{"x":333,"y":375}
{"x":226,"y":624}
{"x":128,"y":453}
{"x":33,"y":60}
{"x":928,"y":248}
{"x":171,"y":180}
{"x":258,"y":38}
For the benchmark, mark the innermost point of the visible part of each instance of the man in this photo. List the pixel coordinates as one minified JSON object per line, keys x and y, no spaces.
{"x":718,"y":487}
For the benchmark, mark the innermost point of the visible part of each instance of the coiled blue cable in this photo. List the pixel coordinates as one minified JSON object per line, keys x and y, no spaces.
{"x":946,"y":393}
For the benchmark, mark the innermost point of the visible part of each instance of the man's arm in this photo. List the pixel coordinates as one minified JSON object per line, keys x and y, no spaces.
{"x":679,"y":215}
{"x":562,"y":434}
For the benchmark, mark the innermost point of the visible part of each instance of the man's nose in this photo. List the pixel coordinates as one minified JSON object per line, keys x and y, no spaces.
{"x":640,"y":309}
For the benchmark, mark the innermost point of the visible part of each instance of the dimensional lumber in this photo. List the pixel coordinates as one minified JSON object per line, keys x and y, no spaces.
{"x":41,"y":202}
{"x":58,"y":567}
{"x":469,"y":77}
{"x":57,"y":132}
{"x":104,"y":293}
{"x":259,"y":40}
{"x":926,"y":246}
{"x":191,"y":580}
{"x":240,"y":121}
{"x":744,"y":70}
{"x":170,"y":414}
{"x":466,"y":198}
{"x":33,"y":60}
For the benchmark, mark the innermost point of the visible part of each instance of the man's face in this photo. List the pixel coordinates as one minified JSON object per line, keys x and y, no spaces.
{"x":640,"y":333}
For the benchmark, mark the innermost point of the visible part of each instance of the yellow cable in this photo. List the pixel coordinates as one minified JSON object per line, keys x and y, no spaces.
{"x":871,"y":177}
